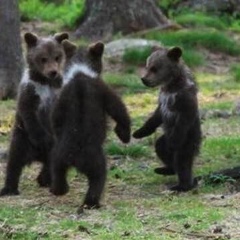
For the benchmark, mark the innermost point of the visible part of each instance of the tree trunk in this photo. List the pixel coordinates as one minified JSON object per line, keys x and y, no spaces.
{"x":103,"y":18}
{"x":10,"y":48}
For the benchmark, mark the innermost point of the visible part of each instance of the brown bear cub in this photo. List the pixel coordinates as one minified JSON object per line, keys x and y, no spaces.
{"x":177,"y":113}
{"x":31,"y":137}
{"x":79,"y":123}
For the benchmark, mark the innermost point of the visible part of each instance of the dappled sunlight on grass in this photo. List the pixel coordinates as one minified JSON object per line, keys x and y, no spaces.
{"x":142,"y":104}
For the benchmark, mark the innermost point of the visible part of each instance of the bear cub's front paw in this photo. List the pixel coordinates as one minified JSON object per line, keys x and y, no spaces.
{"x":138,"y":133}
{"x":123,"y":133}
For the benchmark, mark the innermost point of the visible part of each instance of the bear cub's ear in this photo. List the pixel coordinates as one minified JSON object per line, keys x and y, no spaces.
{"x":59,"y":37}
{"x":97,"y":49}
{"x":31,"y":39}
{"x":174,"y":53}
{"x":69,"y":48}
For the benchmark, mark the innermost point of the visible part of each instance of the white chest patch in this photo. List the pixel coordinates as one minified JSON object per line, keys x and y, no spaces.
{"x":166,"y":101}
{"x":78,"y":68}
{"x":44,"y":92}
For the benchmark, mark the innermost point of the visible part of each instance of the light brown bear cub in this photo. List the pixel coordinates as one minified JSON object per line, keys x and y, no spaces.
{"x":32,"y":138}
{"x":177,"y":113}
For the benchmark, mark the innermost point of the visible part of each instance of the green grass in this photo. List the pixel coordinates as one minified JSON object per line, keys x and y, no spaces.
{"x":217,"y":85}
{"x":192,"y":41}
{"x":235,"y":72}
{"x":198,"y":19}
{"x":129,"y":83}
{"x":66,"y":14}
{"x":219,"y":105}
{"x":210,"y":39}
{"x":219,"y":153}
{"x":135,"y":56}
{"x":193,"y":58}
{"x":235,"y":25}
{"x":133,"y":151}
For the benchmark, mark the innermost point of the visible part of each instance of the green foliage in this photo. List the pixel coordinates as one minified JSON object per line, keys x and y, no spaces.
{"x":187,"y":18}
{"x":222,"y":151}
{"x":213,"y":179}
{"x":130,"y":82}
{"x":198,"y":19}
{"x":220,"y":105}
{"x":66,"y":14}
{"x":210,"y":39}
{"x":167,"y":6}
{"x":137,"y":55}
{"x":235,"y":71}
{"x":235,"y":25}
{"x":193,"y":58}
{"x":217,"y":84}
{"x":133,"y":151}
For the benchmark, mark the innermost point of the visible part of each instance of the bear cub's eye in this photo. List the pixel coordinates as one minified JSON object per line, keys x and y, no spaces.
{"x":153,"y":69}
{"x":58,"y":58}
{"x":44,"y":60}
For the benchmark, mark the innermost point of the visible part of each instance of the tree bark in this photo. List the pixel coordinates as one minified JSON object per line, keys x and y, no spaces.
{"x":10,"y":48}
{"x":103,"y":18}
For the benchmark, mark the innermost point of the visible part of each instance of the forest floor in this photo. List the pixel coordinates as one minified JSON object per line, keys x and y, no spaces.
{"x":136,"y":202}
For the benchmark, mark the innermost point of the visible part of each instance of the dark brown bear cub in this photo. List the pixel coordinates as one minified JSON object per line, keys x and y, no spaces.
{"x":79,"y":123}
{"x":31,"y":137}
{"x":177,"y":113}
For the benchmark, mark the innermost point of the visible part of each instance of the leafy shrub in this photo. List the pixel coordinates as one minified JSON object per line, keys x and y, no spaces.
{"x":235,"y":71}
{"x":210,"y":39}
{"x":193,"y":58}
{"x":66,"y":14}
{"x":200,"y":20}
{"x":218,"y":179}
{"x":136,"y":55}
{"x":139,"y":56}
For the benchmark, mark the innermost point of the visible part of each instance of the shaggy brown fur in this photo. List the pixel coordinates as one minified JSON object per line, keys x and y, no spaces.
{"x":177,"y":113}
{"x":32,"y":138}
{"x":79,"y":123}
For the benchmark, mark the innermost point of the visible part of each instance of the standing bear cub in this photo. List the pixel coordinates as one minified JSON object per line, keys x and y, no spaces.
{"x":31,"y":137}
{"x":79,"y":122}
{"x":177,"y":113}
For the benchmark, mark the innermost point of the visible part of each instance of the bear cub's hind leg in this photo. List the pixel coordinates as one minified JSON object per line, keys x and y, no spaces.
{"x":59,"y":185}
{"x":96,"y":174}
{"x":183,"y":163}
{"x":165,"y":155}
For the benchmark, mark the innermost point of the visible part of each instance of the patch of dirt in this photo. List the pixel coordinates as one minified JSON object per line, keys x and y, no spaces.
{"x":229,"y":227}
{"x":217,"y":63}
{"x":40,"y":27}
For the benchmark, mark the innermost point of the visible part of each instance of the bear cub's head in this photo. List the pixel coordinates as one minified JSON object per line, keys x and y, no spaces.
{"x":46,"y":58}
{"x":87,"y":60}
{"x":162,"y":67}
